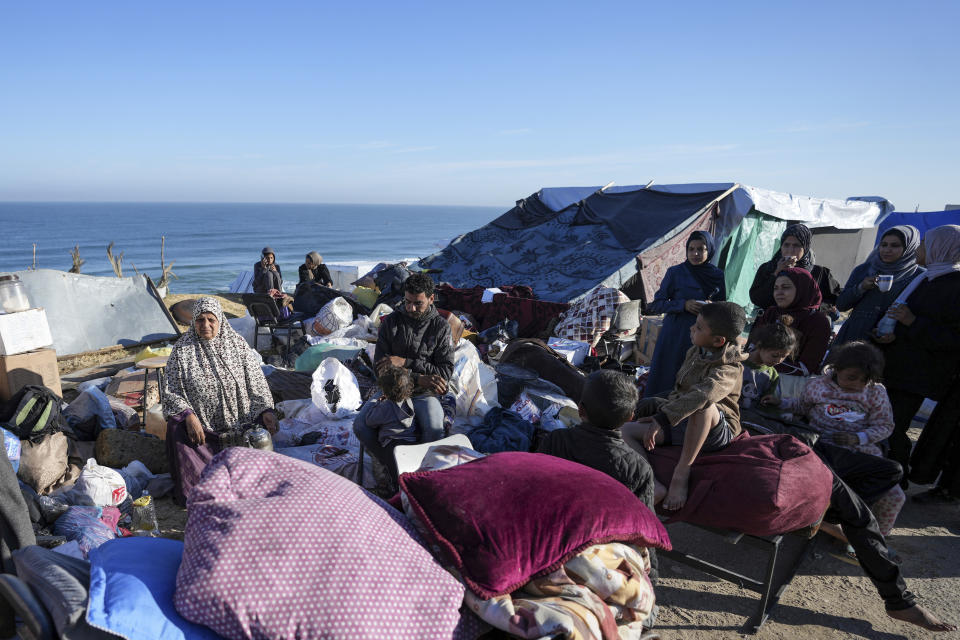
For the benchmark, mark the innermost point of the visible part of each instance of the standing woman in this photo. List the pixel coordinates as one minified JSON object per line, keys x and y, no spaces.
{"x":682,"y":292}
{"x":895,"y":257}
{"x":796,"y":304}
{"x":313,"y":270}
{"x":923,"y":353}
{"x":794,"y":252}
{"x":213,"y":384}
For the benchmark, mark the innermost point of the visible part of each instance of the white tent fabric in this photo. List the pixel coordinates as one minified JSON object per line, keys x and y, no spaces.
{"x":859,"y":213}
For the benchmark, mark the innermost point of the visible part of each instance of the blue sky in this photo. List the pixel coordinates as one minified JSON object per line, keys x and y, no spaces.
{"x":480,"y":103}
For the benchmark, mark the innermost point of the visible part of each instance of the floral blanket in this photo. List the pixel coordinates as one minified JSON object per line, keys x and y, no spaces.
{"x":602,"y":593}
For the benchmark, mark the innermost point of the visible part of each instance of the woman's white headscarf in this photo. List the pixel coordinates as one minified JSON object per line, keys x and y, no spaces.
{"x":219,"y":379}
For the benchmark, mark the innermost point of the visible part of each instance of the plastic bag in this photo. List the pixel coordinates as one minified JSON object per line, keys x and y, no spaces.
{"x":91,"y":403}
{"x":524,"y":406}
{"x":52,"y":507}
{"x":505,"y":330}
{"x":334,"y":315}
{"x":84,"y":526}
{"x":11,"y":445}
{"x":558,"y":416}
{"x":99,"y":486}
{"x":245,"y":326}
{"x":474,"y":382}
{"x":335,"y":390}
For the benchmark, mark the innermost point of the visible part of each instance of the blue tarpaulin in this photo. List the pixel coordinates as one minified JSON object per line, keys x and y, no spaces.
{"x":922,"y":221}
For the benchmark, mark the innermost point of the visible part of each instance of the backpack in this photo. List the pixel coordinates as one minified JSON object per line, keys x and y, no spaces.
{"x":32,"y":413}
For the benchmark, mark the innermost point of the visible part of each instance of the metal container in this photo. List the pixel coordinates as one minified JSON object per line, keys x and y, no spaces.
{"x":13,"y":294}
{"x":259,"y":438}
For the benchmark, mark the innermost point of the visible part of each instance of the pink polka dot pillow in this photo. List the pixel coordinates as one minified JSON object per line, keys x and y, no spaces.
{"x":278,"y":548}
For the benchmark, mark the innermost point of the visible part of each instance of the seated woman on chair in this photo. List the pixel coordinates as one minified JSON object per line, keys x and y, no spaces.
{"x":214,"y":384}
{"x":268,"y":279}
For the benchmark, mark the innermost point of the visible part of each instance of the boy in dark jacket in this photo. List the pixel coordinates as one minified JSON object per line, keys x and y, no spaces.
{"x":608,"y":400}
{"x":702,"y":413}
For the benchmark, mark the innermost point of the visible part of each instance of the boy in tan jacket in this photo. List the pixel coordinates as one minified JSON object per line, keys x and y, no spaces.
{"x":702,"y":413}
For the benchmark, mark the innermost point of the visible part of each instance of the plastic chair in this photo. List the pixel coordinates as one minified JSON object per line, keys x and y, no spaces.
{"x":265,"y":313}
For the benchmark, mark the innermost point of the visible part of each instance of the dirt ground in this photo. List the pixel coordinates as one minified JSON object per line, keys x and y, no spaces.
{"x":829,"y":598}
{"x":232,"y":306}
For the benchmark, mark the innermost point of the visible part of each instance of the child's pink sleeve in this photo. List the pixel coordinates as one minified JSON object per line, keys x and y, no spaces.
{"x":878,"y":424}
{"x":812,"y":395}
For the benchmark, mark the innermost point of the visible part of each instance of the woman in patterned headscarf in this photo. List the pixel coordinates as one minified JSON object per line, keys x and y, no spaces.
{"x":794,"y":251}
{"x":213,"y":384}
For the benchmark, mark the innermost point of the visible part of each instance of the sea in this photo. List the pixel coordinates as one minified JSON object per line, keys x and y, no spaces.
{"x":209,"y":244}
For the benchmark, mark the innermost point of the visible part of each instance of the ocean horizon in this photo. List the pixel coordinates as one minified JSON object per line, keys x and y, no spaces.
{"x":210,"y":243}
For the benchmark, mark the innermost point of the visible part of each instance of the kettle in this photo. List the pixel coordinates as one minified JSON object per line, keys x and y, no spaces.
{"x":258,"y":438}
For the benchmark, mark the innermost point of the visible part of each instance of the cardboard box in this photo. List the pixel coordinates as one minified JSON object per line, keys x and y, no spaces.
{"x":24,"y":331}
{"x":647,"y":338}
{"x":34,"y":367}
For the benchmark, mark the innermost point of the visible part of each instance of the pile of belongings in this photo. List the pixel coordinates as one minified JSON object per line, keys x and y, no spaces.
{"x":81,"y":473}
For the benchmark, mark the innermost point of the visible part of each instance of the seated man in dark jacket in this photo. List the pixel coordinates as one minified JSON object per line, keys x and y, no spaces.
{"x":416,"y":338}
{"x":608,"y":400}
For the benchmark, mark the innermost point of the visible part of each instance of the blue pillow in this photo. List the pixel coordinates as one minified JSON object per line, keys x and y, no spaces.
{"x":132,"y":581}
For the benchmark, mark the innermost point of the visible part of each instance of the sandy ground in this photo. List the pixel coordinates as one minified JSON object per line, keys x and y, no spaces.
{"x":829,"y":597}
{"x":230,"y":302}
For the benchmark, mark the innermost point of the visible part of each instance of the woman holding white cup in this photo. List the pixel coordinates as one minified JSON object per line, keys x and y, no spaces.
{"x":874,"y":285}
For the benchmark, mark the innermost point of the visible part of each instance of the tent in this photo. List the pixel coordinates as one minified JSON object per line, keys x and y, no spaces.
{"x":922,"y":221}
{"x":562,"y":242}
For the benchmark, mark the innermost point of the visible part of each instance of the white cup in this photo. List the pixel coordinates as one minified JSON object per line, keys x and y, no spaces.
{"x":884,"y":282}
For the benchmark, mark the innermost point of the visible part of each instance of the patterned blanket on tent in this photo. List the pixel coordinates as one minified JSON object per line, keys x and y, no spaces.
{"x":563,"y":255}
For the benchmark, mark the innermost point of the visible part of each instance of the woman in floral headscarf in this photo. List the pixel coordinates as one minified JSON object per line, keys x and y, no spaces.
{"x":797,"y":302}
{"x":213,"y":384}
{"x":923,"y":353}
{"x":794,"y":251}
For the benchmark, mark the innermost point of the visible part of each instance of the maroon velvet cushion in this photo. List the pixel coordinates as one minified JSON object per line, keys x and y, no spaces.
{"x":761,"y":485}
{"x":512,"y":516}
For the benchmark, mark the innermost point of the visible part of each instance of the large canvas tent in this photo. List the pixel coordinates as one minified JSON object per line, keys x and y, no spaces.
{"x":564,"y":241}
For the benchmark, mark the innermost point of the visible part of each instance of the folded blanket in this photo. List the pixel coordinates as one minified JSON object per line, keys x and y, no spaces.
{"x":604,"y":592}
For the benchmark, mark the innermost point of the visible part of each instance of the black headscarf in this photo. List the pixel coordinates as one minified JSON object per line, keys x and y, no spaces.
{"x":802,"y":233}
{"x":708,"y":276}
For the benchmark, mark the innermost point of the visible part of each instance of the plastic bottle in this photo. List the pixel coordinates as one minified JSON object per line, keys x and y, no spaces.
{"x":887,"y":325}
{"x":144,"y":516}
